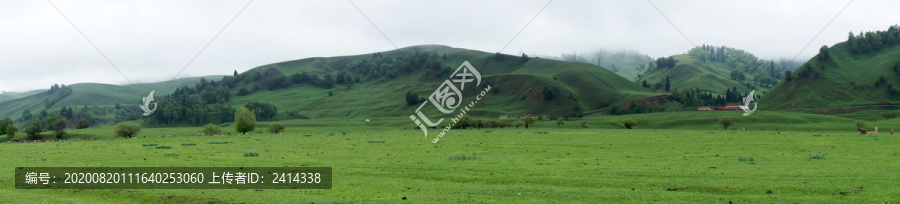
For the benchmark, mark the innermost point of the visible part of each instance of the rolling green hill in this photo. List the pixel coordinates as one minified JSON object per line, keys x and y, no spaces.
{"x":90,"y":94}
{"x":712,"y":71}
{"x":15,"y":95}
{"x":517,"y":85}
{"x":845,"y":78}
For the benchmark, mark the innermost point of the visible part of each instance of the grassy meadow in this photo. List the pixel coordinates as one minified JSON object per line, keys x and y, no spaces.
{"x":382,"y":162}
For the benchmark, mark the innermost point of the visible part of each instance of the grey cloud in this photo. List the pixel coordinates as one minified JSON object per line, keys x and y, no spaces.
{"x":152,"y":40}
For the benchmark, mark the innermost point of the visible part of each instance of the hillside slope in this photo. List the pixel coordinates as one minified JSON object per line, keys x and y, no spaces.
{"x":714,"y":69}
{"x":842,"y":79}
{"x":15,"y":95}
{"x":517,"y":85}
{"x":91,"y":94}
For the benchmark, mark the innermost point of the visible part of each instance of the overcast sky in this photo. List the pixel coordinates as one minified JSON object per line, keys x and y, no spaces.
{"x":151,"y":41}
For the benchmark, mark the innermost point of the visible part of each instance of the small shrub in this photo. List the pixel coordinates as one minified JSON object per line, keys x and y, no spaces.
{"x":726,"y":121}
{"x":218,"y":142}
{"x":463,"y":157}
{"x":276,"y":128}
{"x":746,"y":158}
{"x":170,"y":154}
{"x":307,"y":135}
{"x":378,"y":141}
{"x":860,"y":124}
{"x":211,"y":129}
{"x":820,"y":155}
{"x":127,"y":130}
{"x":163,"y":147}
{"x":148,"y":144}
{"x":473,"y":145}
{"x":629,"y":123}
{"x":251,"y":154}
{"x":188,"y":144}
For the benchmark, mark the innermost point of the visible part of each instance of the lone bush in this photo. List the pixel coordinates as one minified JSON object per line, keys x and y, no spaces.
{"x":82,"y":124}
{"x":11,"y":131}
{"x":726,"y":121}
{"x":629,"y":123}
{"x":211,"y":129}
{"x":127,"y":130}
{"x":860,"y":124}
{"x":276,"y":128}
{"x":33,"y":130}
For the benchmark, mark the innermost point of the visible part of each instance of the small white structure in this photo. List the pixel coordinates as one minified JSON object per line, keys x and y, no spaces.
{"x":367,"y":120}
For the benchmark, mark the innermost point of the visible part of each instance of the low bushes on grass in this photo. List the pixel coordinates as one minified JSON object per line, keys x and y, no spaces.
{"x":463,"y":157}
{"x":211,"y":129}
{"x":276,"y":128}
{"x":170,"y":154}
{"x":376,"y":141}
{"x":218,"y":142}
{"x":148,"y":144}
{"x":251,"y":154}
{"x":746,"y":158}
{"x":164,"y":147}
{"x":188,"y":144}
{"x":820,"y":155}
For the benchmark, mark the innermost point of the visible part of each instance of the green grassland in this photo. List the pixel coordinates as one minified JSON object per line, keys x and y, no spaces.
{"x":539,"y":164}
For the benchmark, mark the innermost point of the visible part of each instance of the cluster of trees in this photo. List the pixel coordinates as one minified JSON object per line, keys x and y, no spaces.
{"x":263,"y":111}
{"x":191,"y":104}
{"x":57,"y":93}
{"x":468,"y":122}
{"x":664,"y":85}
{"x":737,"y":75}
{"x":739,"y":60}
{"x":58,"y":121}
{"x":413,"y":98}
{"x":548,"y":93}
{"x":635,"y":108}
{"x":665,"y":62}
{"x":893,"y":91}
{"x":207,"y":101}
{"x":381,"y":66}
{"x":694,"y":97}
{"x":872,"y":41}
{"x":4,"y":124}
